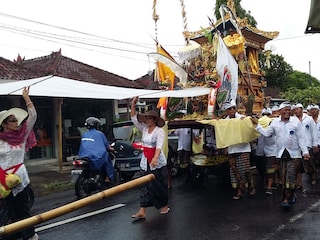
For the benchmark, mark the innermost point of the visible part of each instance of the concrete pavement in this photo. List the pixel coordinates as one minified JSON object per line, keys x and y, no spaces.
{"x":47,"y":175}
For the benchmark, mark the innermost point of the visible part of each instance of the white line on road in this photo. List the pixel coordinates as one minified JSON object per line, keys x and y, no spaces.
{"x":56,"y":224}
{"x":291,"y":220}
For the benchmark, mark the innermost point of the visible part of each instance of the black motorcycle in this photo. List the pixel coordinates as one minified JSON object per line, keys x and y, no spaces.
{"x":89,"y":181}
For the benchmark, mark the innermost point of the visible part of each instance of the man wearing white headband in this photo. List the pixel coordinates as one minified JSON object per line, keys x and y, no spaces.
{"x":314,"y":113}
{"x":275,"y":111}
{"x":290,"y":143}
{"x":239,"y":160}
{"x":267,"y":163}
{"x":311,"y":140}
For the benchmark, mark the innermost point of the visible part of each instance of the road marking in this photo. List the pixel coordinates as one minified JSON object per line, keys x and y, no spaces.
{"x":73,"y":219}
{"x":291,"y":220}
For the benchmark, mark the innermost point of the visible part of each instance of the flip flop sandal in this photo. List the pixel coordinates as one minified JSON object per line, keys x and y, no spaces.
{"x":138,"y":217}
{"x":237,"y":197}
{"x":165,"y":212}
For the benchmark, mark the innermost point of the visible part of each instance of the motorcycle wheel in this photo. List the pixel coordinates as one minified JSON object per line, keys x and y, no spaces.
{"x":127,"y":176}
{"x":117,"y":176}
{"x":82,"y":185}
{"x":31,"y":198}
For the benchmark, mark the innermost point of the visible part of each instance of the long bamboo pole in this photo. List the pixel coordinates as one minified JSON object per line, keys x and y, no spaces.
{"x":32,"y":221}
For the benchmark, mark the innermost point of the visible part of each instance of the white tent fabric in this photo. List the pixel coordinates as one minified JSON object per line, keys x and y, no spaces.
{"x":187,"y":92}
{"x":54,"y":86}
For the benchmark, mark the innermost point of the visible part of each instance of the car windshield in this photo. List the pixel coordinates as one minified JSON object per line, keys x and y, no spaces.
{"x":125,"y":131}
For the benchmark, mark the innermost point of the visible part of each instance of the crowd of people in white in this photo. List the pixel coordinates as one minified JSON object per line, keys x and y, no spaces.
{"x":289,"y":147}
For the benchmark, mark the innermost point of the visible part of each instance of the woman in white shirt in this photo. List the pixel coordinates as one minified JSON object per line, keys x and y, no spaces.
{"x":17,"y":137}
{"x":153,"y":161}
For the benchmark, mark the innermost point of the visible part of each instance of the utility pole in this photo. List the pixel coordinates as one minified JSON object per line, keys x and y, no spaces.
{"x":310,"y":71}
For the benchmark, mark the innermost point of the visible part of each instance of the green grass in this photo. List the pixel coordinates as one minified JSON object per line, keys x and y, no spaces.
{"x":57,"y":186}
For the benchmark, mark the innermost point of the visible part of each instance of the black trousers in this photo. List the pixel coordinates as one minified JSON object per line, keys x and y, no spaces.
{"x":19,"y":209}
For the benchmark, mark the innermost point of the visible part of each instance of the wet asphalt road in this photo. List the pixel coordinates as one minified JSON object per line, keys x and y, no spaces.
{"x":206,"y":212}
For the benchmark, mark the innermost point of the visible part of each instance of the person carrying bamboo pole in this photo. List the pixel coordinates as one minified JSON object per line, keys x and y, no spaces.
{"x":239,"y":160}
{"x":17,"y":137}
{"x":153,"y":161}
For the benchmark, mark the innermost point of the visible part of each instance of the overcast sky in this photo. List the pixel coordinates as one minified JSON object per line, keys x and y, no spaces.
{"x":116,"y":36}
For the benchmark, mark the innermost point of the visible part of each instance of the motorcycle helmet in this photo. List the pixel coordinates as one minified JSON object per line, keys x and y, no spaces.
{"x":92,"y":122}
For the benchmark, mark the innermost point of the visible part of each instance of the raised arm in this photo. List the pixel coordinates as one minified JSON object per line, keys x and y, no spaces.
{"x":133,"y":106}
{"x":32,"y":114}
{"x":25,"y":95}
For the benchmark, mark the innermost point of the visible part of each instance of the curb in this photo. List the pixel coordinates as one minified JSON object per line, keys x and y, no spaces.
{"x":46,"y":177}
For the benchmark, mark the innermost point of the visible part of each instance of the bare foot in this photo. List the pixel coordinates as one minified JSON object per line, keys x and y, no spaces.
{"x":141,"y":214}
{"x":138,"y":216}
{"x":164,"y":210}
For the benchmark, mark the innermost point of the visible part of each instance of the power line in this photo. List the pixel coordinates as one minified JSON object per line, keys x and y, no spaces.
{"x":293,"y":37}
{"x":66,"y":29}
{"x":89,"y":44}
{"x":79,"y":32}
{"x":48,"y":38}
{"x":144,"y":45}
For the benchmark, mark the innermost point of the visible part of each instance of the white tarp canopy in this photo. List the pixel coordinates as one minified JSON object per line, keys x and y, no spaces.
{"x":187,"y":92}
{"x":54,"y":86}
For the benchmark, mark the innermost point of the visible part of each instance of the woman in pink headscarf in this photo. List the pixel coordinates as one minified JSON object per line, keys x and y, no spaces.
{"x":17,"y":137}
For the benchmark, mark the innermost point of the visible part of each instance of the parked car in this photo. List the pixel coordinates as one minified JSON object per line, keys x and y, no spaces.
{"x":122,"y":137}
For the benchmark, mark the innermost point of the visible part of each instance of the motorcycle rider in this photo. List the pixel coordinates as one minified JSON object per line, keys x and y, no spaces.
{"x":95,"y":146}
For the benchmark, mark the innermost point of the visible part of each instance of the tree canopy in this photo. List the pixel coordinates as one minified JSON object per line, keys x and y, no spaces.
{"x":240,"y":12}
{"x":295,"y":86}
{"x":277,"y":75}
{"x":305,"y":96}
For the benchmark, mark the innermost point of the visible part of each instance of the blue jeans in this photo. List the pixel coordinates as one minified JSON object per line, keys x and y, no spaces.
{"x":109,"y":169}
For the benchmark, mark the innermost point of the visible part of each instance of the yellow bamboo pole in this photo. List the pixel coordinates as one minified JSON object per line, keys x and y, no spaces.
{"x":32,"y":221}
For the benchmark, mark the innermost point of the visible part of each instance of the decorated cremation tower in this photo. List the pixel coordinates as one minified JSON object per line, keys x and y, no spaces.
{"x":245,"y":43}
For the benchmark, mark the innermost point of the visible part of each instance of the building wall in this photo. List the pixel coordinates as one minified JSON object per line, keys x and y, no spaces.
{"x":73,"y":113}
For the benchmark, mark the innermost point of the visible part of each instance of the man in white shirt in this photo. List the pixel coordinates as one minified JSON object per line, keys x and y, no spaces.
{"x":239,"y":159}
{"x":314,"y":113}
{"x":311,"y":140}
{"x":267,"y":151}
{"x":185,"y":138}
{"x":210,"y":146}
{"x":290,"y":143}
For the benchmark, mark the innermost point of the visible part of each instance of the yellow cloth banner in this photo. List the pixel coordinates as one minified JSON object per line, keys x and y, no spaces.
{"x":233,"y":131}
{"x":165,"y":73}
{"x":162,"y":102}
{"x":197,"y":145}
{"x":264,"y":121}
